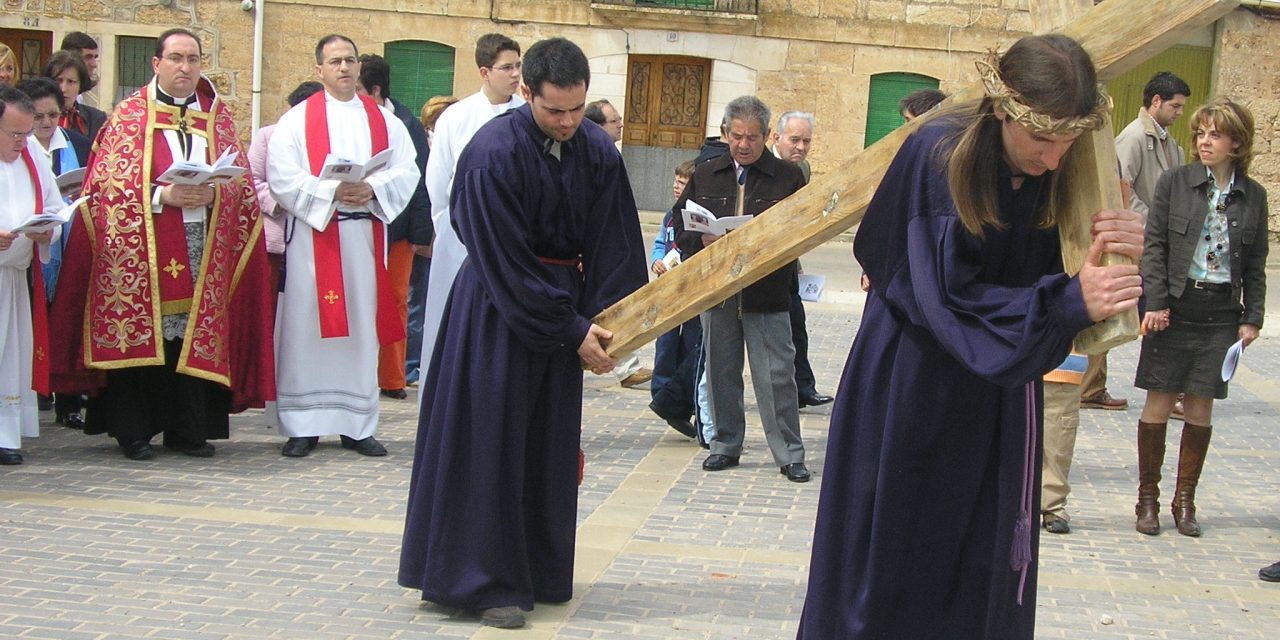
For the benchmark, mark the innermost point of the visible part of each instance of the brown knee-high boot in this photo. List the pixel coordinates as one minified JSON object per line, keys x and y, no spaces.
{"x":1151,"y":437}
{"x":1195,"y":444}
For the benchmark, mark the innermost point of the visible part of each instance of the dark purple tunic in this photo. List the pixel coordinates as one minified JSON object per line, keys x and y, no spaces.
{"x":493,"y":499}
{"x":925,"y":474}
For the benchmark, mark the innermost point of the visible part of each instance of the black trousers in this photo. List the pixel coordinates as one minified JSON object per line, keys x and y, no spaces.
{"x":140,"y":402}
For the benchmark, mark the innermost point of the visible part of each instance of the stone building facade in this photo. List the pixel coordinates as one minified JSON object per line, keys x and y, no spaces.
{"x":821,"y":56}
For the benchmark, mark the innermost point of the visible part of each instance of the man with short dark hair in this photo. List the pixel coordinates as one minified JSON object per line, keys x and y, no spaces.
{"x":192,"y":342}
{"x":602,"y":113}
{"x":916,"y":103}
{"x":1145,"y":151}
{"x":336,"y":307}
{"x":546,"y":212}
{"x":27,"y":187}
{"x":498,"y":60}
{"x":747,"y":181}
{"x":83,"y":44}
{"x":410,"y":234}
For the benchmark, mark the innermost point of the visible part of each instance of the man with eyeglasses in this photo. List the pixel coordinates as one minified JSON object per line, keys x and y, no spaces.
{"x":748,"y":181}
{"x":336,"y":306}
{"x":498,"y":59}
{"x":167,"y":283}
{"x":27,"y":187}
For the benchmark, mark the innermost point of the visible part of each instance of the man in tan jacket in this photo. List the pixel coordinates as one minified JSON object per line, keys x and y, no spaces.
{"x":1145,"y":150}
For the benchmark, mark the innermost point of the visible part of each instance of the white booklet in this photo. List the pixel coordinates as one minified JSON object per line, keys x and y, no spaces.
{"x":336,"y":168}
{"x":42,"y":222}
{"x":69,"y":183}
{"x":698,"y":218}
{"x":672,"y":259}
{"x":811,"y":286}
{"x":1232,"y":359}
{"x":194,"y":172}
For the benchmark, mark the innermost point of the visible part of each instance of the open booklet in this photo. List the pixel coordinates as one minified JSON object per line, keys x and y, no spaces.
{"x":69,"y":183}
{"x":699,"y":218}
{"x":194,"y":172}
{"x":42,"y":222}
{"x":336,"y":168}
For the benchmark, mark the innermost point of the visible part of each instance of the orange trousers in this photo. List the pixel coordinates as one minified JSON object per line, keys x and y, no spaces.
{"x":391,"y":356}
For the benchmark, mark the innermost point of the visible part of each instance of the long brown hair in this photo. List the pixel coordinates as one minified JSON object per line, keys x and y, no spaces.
{"x":1053,"y":75}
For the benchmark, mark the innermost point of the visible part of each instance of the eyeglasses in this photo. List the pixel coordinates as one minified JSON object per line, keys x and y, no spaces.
{"x":508,"y":68}
{"x":51,"y":115}
{"x":14,"y":135}
{"x":336,"y":63}
{"x":612,"y":120}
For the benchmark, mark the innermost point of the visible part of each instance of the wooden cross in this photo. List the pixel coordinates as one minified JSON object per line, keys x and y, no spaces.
{"x":1118,"y":34}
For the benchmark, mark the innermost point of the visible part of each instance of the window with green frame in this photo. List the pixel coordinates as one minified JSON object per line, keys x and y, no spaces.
{"x":887,"y":89}
{"x":420,"y":70}
{"x":133,"y":64}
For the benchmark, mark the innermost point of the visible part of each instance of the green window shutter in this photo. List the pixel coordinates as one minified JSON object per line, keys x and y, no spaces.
{"x":133,"y":64}
{"x":420,"y":70}
{"x":1192,"y":64}
{"x":887,"y":89}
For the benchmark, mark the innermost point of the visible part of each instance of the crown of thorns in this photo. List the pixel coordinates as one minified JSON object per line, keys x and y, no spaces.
{"x":1010,"y":102}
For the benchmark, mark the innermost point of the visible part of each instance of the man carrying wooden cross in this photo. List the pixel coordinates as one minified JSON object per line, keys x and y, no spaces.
{"x":926,"y":521}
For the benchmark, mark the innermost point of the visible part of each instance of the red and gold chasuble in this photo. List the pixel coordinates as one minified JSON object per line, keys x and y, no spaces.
{"x":331,"y":298}
{"x":39,"y":312}
{"x":138,"y":269}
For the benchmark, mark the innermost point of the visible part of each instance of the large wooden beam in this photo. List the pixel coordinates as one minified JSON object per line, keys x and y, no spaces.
{"x":1118,"y":34}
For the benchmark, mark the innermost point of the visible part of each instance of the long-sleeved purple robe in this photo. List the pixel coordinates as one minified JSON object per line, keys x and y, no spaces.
{"x":930,"y":455}
{"x":493,"y":500}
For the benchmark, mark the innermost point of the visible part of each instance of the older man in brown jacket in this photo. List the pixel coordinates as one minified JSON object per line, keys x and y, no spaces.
{"x":748,"y":181}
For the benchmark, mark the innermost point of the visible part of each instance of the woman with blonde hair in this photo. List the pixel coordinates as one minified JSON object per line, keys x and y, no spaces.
{"x":8,"y":65}
{"x":1204,"y":269}
{"x":431,"y":112}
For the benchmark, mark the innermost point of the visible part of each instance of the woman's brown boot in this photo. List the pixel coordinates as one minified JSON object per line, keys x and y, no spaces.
{"x":1150,"y":458}
{"x":1195,"y":444}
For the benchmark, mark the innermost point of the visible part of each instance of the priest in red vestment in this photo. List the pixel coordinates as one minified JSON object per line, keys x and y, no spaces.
{"x":164,"y":296}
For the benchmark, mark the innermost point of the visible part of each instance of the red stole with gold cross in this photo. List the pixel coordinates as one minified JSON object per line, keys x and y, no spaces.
{"x":331,"y":298}
{"x":39,"y":312}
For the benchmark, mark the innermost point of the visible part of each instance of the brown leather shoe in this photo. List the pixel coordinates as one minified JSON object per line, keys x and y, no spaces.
{"x":1103,"y":400}
{"x":1151,"y":438}
{"x":1194,"y":446}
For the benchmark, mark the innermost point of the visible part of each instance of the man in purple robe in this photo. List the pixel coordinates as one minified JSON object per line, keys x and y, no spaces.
{"x":552,"y":236}
{"x":925,"y":523}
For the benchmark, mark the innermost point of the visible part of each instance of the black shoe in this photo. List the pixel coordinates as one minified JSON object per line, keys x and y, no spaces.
{"x":1270,"y":573}
{"x":202,"y":450}
{"x":684,"y":427}
{"x":1057,"y":525}
{"x":299,"y":447}
{"x":395,"y":394}
{"x":367,"y":447}
{"x":9,"y":456}
{"x":815,"y":400}
{"x":73,"y":421}
{"x":138,"y":450}
{"x":796,"y":472}
{"x":503,"y":617}
{"x":719,"y":462}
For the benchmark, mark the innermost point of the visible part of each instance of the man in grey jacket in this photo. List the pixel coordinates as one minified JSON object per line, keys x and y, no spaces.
{"x":1145,"y":150}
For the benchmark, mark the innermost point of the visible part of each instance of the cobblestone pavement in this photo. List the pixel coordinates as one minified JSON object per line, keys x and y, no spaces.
{"x":249,"y":544}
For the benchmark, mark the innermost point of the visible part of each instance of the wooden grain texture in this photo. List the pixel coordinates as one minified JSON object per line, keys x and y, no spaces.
{"x":1118,"y":34}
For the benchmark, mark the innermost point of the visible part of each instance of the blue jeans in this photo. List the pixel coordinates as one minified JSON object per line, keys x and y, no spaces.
{"x":417,"y":309}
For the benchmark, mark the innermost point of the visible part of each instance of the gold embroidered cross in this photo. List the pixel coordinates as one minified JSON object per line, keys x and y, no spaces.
{"x":174,"y":268}
{"x":331,"y":297}
{"x":40,"y":353}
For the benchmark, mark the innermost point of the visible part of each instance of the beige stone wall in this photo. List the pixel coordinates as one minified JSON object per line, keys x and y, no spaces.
{"x":1248,"y":71}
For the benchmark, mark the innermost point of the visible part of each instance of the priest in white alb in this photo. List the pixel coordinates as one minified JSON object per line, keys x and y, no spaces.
{"x":498,"y":58}
{"x":336,"y":306}
{"x":27,"y":187}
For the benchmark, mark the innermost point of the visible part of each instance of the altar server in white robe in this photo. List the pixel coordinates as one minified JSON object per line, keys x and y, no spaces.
{"x":333,"y":309}
{"x":19,"y":416}
{"x":498,"y":59}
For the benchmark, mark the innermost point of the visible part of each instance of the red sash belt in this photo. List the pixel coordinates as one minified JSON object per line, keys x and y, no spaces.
{"x":575,"y":261}
{"x":327,"y":245}
{"x":39,"y":310}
